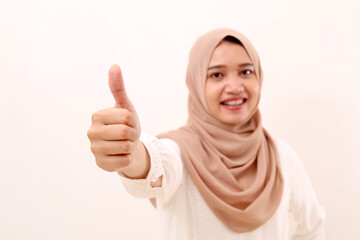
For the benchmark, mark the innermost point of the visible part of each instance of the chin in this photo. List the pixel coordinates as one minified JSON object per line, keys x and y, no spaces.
{"x":232,"y":121}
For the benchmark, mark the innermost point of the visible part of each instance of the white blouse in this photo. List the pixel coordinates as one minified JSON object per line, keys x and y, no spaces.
{"x":184,"y":214}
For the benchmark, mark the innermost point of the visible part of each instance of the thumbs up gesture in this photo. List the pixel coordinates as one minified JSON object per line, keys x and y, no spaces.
{"x":114,"y":133}
{"x":117,"y":87}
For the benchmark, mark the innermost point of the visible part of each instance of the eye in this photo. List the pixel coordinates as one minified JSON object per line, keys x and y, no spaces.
{"x":216,"y":75}
{"x":246,"y":72}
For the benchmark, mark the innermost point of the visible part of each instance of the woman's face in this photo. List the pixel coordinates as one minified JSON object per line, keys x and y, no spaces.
{"x":231,"y":89}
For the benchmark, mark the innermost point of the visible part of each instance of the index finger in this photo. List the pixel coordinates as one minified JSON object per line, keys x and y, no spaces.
{"x":115,"y":116}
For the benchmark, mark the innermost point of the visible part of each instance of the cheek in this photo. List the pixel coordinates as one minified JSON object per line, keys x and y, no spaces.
{"x":209,"y":91}
{"x":211,"y":94}
{"x":208,"y":95}
{"x":254,"y":89}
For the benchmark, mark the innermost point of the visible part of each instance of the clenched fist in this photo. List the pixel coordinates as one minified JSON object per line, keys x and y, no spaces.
{"x":114,"y":133}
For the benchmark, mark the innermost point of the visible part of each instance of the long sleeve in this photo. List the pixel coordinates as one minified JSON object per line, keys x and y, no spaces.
{"x":165,"y":161}
{"x":306,"y":210}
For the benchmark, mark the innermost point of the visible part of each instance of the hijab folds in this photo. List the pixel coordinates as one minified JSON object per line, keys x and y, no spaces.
{"x":235,"y":167}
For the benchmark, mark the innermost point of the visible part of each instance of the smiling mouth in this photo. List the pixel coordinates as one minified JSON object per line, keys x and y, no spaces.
{"x":234,"y":103}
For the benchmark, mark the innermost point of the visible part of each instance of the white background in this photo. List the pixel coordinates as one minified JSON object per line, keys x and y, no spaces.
{"x":54,"y":58}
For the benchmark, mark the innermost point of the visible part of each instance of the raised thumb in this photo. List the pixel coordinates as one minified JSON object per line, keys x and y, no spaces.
{"x":117,"y":87}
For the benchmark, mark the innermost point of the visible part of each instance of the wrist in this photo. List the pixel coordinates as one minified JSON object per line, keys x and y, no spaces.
{"x":139,"y":166}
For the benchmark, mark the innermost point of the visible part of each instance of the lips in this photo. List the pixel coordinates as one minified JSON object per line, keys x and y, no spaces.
{"x":233,"y":102}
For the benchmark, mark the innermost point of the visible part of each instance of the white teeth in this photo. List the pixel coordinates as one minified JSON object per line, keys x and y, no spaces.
{"x":234,"y":103}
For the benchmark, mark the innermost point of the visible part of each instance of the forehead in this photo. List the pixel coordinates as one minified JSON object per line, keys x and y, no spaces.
{"x":229,"y":52}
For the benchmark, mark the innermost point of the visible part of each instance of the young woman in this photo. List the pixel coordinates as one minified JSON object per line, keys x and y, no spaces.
{"x":221,"y":176}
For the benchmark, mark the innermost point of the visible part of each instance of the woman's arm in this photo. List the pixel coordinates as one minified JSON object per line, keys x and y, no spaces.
{"x":150,"y":168}
{"x":304,"y":206}
{"x":166,"y":168}
{"x":114,"y":134}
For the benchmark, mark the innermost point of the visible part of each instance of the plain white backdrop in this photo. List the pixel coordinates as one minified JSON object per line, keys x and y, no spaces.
{"x":54,"y":59}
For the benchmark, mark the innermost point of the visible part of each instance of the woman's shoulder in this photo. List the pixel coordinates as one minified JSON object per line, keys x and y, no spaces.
{"x":292,"y":167}
{"x":288,"y":158}
{"x":284,"y":149}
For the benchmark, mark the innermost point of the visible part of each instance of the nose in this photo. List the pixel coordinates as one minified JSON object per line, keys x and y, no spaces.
{"x":234,"y":85}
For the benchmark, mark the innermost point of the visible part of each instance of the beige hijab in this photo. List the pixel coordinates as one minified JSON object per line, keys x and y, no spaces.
{"x":235,"y":168}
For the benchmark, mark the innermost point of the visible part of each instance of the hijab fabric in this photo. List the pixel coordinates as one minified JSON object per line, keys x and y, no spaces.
{"x":235,"y":167}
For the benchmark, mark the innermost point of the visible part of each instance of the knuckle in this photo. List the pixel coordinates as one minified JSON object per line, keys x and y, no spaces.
{"x":123,"y":132}
{"x":91,"y":133}
{"x":98,"y":149}
{"x":96,"y":117}
{"x":127,"y":147}
{"x":102,"y":164}
{"x":95,"y":132}
{"x":94,"y":149}
{"x":126,"y":160}
{"x":99,"y":162}
{"x":127,"y":116}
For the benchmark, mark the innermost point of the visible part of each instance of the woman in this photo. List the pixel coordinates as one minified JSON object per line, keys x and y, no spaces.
{"x":221,"y":176}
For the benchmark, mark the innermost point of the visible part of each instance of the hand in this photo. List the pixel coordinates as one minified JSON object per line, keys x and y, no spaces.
{"x":114,"y":132}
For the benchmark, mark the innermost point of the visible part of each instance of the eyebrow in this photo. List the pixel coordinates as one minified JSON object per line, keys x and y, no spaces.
{"x":223,"y":66}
